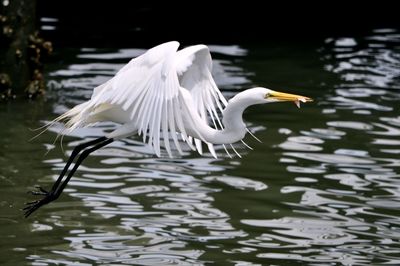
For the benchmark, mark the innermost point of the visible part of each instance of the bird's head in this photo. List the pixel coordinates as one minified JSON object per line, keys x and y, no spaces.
{"x":263,"y":95}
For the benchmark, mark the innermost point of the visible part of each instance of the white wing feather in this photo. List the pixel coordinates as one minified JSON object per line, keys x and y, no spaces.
{"x":194,"y":66}
{"x":149,"y":90}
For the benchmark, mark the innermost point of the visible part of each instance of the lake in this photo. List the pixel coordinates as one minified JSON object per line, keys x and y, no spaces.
{"x":321,"y":189}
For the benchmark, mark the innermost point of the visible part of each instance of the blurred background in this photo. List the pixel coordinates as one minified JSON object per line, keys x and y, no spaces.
{"x":123,"y":24}
{"x":321,"y":189}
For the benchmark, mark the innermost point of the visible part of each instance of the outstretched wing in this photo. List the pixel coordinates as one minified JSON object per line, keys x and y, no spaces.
{"x":194,"y":66}
{"x":150,"y":90}
{"x":147,"y":88}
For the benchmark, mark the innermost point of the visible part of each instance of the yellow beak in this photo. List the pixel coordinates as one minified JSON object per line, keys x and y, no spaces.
{"x":284,"y":97}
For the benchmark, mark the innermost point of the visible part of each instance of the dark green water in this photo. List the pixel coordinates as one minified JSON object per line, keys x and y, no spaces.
{"x":323,"y":187}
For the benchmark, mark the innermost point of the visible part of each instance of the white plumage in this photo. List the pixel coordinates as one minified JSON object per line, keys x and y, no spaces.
{"x":166,"y":92}
{"x":160,"y":95}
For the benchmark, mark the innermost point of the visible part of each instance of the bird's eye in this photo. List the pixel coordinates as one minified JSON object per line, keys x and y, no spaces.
{"x":266,"y":95}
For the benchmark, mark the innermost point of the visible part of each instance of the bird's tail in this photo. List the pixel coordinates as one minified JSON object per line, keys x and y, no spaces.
{"x":72,"y":119}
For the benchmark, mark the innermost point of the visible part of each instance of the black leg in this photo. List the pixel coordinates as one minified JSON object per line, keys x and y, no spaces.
{"x":82,"y":157}
{"x":74,"y":153}
{"x":57,"y":188}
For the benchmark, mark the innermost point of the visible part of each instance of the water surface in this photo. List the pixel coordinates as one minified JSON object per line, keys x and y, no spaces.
{"x":321,"y":189}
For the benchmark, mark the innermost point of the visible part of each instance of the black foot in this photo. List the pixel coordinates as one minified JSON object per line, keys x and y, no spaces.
{"x":34,"y":205}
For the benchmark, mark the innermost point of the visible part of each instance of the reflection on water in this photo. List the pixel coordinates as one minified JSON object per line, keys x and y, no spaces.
{"x":316,"y":192}
{"x":353,"y":217}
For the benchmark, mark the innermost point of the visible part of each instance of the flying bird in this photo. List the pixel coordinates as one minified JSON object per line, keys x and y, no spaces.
{"x":167,"y":97}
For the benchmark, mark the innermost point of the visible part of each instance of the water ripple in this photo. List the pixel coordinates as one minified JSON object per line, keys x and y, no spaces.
{"x":350,"y":198}
{"x":238,"y":182}
{"x":323,"y":190}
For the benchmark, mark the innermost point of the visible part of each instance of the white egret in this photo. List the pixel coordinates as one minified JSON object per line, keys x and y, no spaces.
{"x":161,"y":95}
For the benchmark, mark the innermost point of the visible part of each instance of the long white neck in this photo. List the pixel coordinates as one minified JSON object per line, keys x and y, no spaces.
{"x":234,"y":127}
